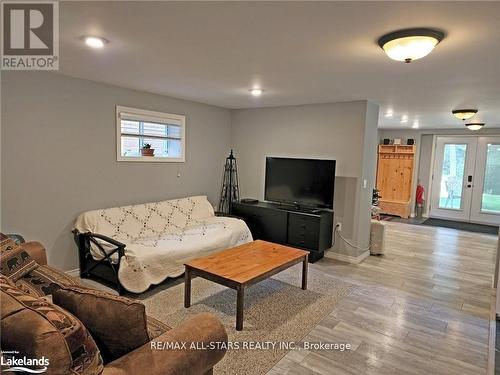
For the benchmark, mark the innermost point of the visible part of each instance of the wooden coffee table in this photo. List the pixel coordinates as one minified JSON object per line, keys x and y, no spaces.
{"x":242,"y":266}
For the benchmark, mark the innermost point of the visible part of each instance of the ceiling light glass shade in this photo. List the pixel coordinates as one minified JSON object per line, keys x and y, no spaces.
{"x":95,"y":42}
{"x":464,"y":114}
{"x":256,"y":92}
{"x":474,"y":125}
{"x":410,"y":44}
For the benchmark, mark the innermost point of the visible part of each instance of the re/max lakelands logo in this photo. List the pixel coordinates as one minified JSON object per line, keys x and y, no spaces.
{"x":30,"y":35}
{"x":23,"y":364}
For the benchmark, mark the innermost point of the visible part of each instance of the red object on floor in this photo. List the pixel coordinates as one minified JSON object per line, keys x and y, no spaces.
{"x":420,"y":194}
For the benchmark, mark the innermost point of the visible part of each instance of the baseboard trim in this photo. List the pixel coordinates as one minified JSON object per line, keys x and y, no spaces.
{"x":74,"y":273}
{"x":347,"y":258}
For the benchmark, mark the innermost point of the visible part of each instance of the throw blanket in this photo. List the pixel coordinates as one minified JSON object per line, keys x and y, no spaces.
{"x":161,"y":236}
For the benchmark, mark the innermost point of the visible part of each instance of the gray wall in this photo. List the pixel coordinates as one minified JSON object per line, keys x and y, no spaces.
{"x":341,"y":131}
{"x":368,"y":174}
{"x":58,"y":155}
{"x":425,"y":161}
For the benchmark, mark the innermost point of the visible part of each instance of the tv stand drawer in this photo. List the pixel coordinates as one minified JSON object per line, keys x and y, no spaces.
{"x":298,"y":224}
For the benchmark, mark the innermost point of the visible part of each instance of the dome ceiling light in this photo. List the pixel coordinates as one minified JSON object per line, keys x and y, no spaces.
{"x":95,"y":41}
{"x":464,"y":114}
{"x":474,"y":125}
{"x":410,"y":44}
{"x":256,"y":92}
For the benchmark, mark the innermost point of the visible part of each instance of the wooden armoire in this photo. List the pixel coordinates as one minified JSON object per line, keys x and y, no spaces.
{"x":395,"y":178}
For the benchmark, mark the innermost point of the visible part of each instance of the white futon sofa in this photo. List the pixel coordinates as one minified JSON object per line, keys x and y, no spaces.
{"x":134,"y":247}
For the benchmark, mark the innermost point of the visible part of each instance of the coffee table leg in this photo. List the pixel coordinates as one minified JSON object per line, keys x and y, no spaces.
{"x":187,"y":287}
{"x":240,"y":301}
{"x":304,"y":273}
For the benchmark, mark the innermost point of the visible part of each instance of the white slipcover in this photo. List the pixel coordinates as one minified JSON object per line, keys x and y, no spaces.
{"x":161,"y":236}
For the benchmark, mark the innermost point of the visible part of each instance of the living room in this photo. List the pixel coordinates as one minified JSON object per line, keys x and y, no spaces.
{"x":113,"y":162}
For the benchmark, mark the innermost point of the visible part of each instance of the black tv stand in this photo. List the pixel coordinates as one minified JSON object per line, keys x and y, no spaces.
{"x":297,"y":208}
{"x":307,"y":228}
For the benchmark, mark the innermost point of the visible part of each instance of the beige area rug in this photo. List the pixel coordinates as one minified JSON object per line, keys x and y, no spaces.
{"x":276,"y":309}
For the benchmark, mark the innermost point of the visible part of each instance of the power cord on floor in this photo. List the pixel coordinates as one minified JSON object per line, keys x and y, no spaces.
{"x":337,"y":231}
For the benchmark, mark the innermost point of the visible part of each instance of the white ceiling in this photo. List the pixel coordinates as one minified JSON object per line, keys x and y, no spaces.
{"x":298,"y":52}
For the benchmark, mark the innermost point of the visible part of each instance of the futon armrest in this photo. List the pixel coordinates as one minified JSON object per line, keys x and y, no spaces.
{"x":112,"y":241}
{"x":83,"y":241}
{"x":156,"y":358}
{"x":36,"y":250}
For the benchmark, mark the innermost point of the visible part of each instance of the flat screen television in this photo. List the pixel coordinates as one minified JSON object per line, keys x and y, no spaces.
{"x":303,"y":182}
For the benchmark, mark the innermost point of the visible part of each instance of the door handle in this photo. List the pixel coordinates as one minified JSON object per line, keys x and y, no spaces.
{"x":469,"y":180}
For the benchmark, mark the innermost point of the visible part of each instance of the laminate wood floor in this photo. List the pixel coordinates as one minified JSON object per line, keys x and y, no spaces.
{"x":421,"y":308}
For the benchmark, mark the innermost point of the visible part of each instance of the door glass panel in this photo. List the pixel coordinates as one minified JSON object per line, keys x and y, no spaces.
{"x":452,"y":176}
{"x":490,"y":201}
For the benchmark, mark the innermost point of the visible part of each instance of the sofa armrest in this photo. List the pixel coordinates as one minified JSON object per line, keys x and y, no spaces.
{"x":156,"y":359}
{"x":36,"y":250}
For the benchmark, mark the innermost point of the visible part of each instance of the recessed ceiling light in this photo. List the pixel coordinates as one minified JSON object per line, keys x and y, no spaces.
{"x":464,"y":114}
{"x":474,"y":125}
{"x":415,"y":124}
{"x":256,"y":92}
{"x":410,"y":44}
{"x":404,"y":119}
{"x":95,"y":41}
{"x":389,"y":114}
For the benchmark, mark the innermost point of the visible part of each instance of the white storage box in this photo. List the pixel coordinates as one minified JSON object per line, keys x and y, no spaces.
{"x":377,"y":237}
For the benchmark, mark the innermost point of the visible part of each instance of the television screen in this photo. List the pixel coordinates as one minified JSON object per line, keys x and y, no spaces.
{"x":308,"y":182}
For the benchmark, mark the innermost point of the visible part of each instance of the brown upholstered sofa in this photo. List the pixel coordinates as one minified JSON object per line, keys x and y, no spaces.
{"x":22,"y":296}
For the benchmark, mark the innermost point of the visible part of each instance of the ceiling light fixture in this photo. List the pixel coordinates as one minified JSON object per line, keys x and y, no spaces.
{"x":410,"y":44}
{"x":256,"y":92}
{"x":474,"y":125}
{"x":95,"y":41}
{"x":404,"y":119}
{"x":415,"y":124}
{"x":389,"y":114}
{"x":464,"y":114}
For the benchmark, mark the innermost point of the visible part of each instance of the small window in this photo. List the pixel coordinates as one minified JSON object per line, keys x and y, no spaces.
{"x":149,"y":136}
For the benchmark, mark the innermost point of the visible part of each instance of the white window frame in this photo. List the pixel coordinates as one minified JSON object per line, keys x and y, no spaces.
{"x":153,"y":117}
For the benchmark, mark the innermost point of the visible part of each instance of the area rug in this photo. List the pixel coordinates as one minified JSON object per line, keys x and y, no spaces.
{"x":276,"y":310}
{"x":469,"y":227}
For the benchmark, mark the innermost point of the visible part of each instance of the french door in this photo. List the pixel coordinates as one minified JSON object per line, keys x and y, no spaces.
{"x":466,"y":179}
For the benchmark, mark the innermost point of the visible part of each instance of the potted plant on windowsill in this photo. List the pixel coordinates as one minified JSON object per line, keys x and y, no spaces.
{"x":146,"y":150}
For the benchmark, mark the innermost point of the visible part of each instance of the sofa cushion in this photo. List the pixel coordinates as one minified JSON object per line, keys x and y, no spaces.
{"x":118,"y":324}
{"x":36,"y":328}
{"x":43,"y":281}
{"x":15,"y":262}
